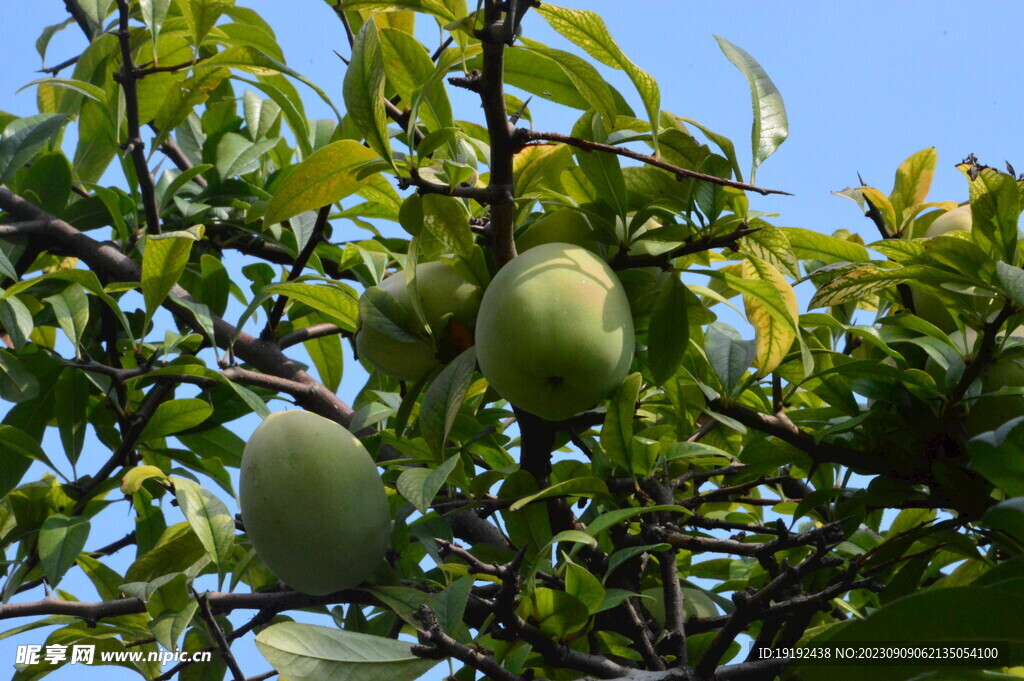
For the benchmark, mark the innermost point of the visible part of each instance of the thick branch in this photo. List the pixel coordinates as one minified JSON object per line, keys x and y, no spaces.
{"x":524,"y":137}
{"x":219,"y":602}
{"x":106,"y":258}
{"x":781,"y":427}
{"x":500,"y":132}
{"x":310,"y":333}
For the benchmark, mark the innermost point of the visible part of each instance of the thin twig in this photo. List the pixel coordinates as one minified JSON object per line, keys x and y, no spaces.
{"x":270,"y":330}
{"x":525,"y":137}
{"x":218,"y":636}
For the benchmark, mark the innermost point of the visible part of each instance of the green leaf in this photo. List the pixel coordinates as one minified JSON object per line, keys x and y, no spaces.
{"x":306,"y":652}
{"x":174,"y":416}
{"x":668,"y":335}
{"x":603,"y":170}
{"x":163,"y":261}
{"x":995,"y":210}
{"x":999,"y":456}
{"x":335,"y":300}
{"x":583,"y":80}
{"x":61,"y":539}
{"x":172,"y":611}
{"x":728,"y":353}
{"x":132,"y":481}
{"x":201,"y":16}
{"x":23,"y":138}
{"x":436,"y":8}
{"x":584,"y":586}
{"x":617,"y":432}
{"x":408,"y":65}
{"x":1008,"y":516}
{"x":771,"y":127}
{"x":612,"y":518}
{"x":380,"y":311}
{"x":869,"y":279}
{"x":420,"y":485}
{"x":97,"y":94}
{"x":588,"y":30}
{"x":443,"y":399}
{"x":446,"y":220}
{"x":809,"y":245}
{"x":364,"y":90}
{"x":178,"y":550}
{"x":17,"y":383}
{"x":19,"y":451}
{"x":585,"y":487}
{"x":72,"y":407}
{"x":556,"y":613}
{"x":773,"y":246}
{"x":450,"y":605}
{"x":255,"y":61}
{"x":154,"y":12}
{"x":210,"y":519}
{"x":913,"y":180}
{"x":982,"y":614}
{"x":71,"y":307}
{"x":327,"y":176}
{"x":238,"y":155}
{"x":1012,"y":280}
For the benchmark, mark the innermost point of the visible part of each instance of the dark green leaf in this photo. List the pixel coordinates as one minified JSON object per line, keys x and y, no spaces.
{"x":443,"y":399}
{"x":61,"y":539}
{"x":668,"y":335}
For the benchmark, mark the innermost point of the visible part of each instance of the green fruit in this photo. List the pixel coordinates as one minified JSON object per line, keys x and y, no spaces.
{"x":555,"y":334}
{"x":441,"y":291}
{"x":564,"y":225}
{"x":312,"y":502}
{"x":956,"y":220}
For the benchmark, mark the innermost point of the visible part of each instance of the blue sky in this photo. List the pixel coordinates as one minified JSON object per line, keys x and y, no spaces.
{"x":865,"y":84}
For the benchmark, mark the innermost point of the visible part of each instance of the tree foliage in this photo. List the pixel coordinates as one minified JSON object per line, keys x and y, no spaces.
{"x":850,"y":473}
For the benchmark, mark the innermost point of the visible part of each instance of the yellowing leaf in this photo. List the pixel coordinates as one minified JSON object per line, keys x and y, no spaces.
{"x":329,"y":175}
{"x":772,"y":338}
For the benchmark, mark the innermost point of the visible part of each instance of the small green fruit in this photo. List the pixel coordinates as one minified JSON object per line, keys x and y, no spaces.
{"x":313,"y":504}
{"x":555,"y":334}
{"x":564,"y":225}
{"x":441,"y":291}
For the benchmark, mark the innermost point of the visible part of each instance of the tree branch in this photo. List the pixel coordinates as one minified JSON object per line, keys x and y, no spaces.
{"x":134,"y":145}
{"x":218,"y":636}
{"x":105,"y":257}
{"x":270,"y":330}
{"x":500,"y":131}
{"x":446,"y":646}
{"x":781,"y":427}
{"x":624,"y":261}
{"x":525,"y":137}
{"x":482,"y":195}
{"x":310,"y":333}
